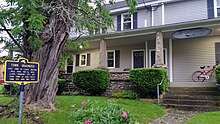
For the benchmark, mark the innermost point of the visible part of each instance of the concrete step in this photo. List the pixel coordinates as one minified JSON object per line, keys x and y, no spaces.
{"x":193,"y":93}
{"x":193,"y":89}
{"x":191,"y":97}
{"x":190,"y":102}
{"x":192,"y":107}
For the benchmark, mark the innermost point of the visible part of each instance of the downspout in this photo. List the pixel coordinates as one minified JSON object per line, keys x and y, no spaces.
{"x":152,"y":16}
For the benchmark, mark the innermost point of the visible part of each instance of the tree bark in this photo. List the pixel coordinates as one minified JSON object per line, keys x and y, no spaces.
{"x":42,"y":95}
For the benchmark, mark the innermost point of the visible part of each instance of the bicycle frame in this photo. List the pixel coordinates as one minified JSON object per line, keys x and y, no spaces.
{"x":206,"y":74}
{"x":202,"y":75}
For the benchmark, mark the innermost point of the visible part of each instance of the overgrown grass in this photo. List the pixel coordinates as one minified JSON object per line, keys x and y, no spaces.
{"x":141,"y":111}
{"x":206,"y":118}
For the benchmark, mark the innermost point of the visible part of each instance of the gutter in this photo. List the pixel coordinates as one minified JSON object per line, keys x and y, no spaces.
{"x":143,"y":5}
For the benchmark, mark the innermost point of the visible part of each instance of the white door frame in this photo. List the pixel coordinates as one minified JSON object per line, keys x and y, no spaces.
{"x":132,"y":58}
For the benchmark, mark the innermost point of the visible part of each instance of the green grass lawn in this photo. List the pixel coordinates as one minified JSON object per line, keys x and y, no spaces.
{"x":206,"y":118}
{"x":5,"y":100}
{"x":141,"y":111}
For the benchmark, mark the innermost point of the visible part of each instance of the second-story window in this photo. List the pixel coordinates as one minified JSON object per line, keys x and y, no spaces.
{"x":218,"y":8}
{"x":127,"y":22}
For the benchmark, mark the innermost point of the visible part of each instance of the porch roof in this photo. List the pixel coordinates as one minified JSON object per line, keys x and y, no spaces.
{"x":152,"y":30}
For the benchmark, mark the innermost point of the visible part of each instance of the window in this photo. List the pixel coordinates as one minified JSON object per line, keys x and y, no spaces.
{"x":127,"y":22}
{"x":152,"y":53}
{"x":218,"y":8}
{"x":83,"y":59}
{"x":111,"y":59}
{"x":69,"y":66}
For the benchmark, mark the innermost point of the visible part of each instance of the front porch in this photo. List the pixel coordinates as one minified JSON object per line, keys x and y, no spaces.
{"x":155,"y":46}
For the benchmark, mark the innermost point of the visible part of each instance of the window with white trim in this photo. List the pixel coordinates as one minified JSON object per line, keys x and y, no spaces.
{"x":111,"y":59}
{"x":218,"y":8}
{"x":69,"y":66}
{"x":83,"y":59}
{"x":127,"y":21}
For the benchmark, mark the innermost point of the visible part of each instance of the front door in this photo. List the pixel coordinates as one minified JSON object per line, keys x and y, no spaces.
{"x":138,"y":59}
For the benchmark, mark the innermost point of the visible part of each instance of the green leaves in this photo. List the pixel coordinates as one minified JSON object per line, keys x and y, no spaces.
{"x":36,"y":22}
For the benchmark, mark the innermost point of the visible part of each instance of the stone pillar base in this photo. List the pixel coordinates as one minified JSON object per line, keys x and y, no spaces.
{"x":159,"y":66}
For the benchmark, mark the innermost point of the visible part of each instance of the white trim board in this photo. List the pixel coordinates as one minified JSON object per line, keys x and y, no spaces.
{"x":132,"y":58}
{"x":143,"y":5}
{"x":171,"y":60}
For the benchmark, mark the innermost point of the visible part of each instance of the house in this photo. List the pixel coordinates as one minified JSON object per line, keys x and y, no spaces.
{"x":181,"y":35}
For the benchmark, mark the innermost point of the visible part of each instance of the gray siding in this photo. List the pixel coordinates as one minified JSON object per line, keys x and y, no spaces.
{"x":158,"y":16}
{"x":189,"y":55}
{"x":187,"y":10}
{"x":143,"y":15}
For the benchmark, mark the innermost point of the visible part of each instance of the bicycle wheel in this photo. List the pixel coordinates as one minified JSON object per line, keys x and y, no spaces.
{"x":197,"y":76}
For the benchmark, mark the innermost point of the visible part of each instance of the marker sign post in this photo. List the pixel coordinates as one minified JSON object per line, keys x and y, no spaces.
{"x":21,"y":72}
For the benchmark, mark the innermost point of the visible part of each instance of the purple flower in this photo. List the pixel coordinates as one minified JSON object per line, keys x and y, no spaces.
{"x":124,"y":115}
{"x":88,"y":122}
{"x":83,"y":103}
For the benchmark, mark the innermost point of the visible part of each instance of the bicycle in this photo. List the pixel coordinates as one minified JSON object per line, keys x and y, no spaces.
{"x":200,"y":76}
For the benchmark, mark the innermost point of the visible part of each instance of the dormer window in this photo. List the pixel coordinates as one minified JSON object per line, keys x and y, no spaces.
{"x":127,"y":22}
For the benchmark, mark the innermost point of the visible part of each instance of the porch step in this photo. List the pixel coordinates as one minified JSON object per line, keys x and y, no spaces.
{"x":190,"y":102}
{"x":192,"y":98}
{"x":194,"y":93}
{"x":192,"y":107}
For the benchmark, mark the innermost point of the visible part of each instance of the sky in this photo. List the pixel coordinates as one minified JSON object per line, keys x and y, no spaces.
{"x":2,"y":34}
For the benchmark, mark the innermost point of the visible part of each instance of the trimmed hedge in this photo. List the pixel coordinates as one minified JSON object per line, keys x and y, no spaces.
{"x":217,"y":74}
{"x":126,"y":94}
{"x":94,"y":81}
{"x":145,"y":80}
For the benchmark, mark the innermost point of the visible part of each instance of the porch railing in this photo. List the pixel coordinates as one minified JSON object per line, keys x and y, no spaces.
{"x":158,"y":91}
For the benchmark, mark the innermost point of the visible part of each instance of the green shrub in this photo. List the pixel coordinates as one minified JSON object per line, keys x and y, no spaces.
{"x":217,"y":74}
{"x":145,"y":80}
{"x":61,"y":86}
{"x":125,"y":94}
{"x":91,"y":113}
{"x":94,"y":81}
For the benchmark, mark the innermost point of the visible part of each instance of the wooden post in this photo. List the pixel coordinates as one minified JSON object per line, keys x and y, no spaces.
{"x":159,"y":57}
{"x":102,"y":55}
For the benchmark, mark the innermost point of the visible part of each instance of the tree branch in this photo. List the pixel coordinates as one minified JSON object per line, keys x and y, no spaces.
{"x":11,"y":36}
{"x":2,"y":29}
{"x":77,"y":38}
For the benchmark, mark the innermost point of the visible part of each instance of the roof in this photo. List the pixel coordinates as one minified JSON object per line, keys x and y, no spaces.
{"x":123,"y":4}
{"x":154,"y":29}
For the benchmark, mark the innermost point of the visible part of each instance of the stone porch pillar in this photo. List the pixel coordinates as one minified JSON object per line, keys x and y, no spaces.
{"x":102,"y":55}
{"x":159,"y":57}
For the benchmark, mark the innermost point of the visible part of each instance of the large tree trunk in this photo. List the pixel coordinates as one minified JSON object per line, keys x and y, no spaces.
{"x":42,"y":95}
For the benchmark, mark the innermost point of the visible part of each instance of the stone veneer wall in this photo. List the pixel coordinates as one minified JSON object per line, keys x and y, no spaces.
{"x":119,"y":81}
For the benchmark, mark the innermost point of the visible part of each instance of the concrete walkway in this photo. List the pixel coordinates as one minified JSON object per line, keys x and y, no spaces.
{"x":174,"y":116}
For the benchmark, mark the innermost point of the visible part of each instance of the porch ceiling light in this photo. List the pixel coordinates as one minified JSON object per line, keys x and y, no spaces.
{"x":191,"y":33}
